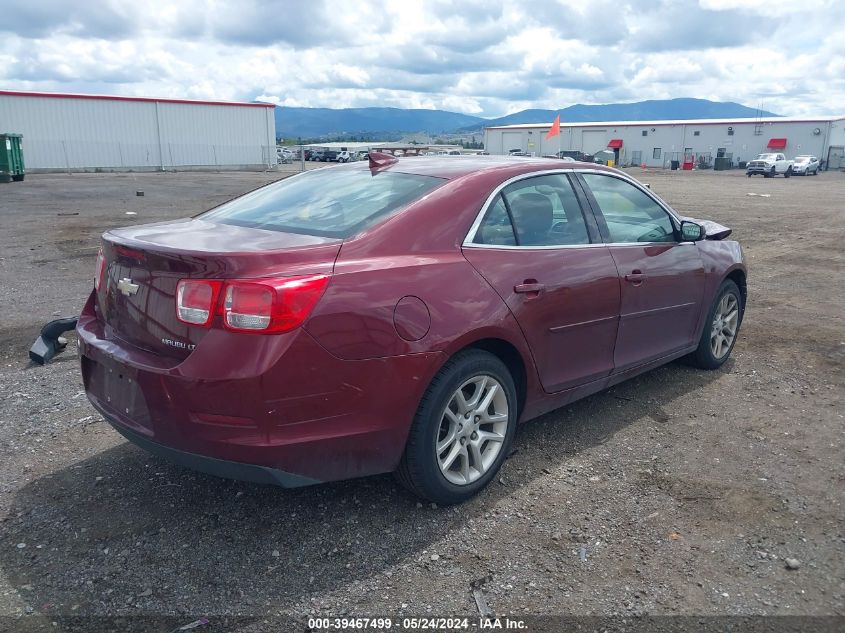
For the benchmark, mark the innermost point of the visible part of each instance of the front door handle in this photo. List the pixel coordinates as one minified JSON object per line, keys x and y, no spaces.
{"x":635,"y":277}
{"x":529,"y":287}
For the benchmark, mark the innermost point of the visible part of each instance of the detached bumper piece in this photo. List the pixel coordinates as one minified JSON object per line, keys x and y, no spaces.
{"x":51,"y":342}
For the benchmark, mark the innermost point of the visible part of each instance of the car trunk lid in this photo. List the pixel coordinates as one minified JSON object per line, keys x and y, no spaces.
{"x":143,"y":265}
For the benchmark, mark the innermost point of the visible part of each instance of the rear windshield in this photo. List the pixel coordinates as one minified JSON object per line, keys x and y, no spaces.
{"x":325,"y":202}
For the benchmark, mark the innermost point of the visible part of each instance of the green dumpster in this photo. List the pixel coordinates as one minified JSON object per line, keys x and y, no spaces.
{"x":11,"y":157}
{"x":722,"y":164}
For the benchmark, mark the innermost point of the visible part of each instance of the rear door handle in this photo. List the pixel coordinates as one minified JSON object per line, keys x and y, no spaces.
{"x":529,"y":287}
{"x":635,"y":277}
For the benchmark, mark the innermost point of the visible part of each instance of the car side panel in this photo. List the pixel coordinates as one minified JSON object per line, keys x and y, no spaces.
{"x":658,"y":315}
{"x":720,"y":258}
{"x":571,"y":324}
{"x":357,"y":318}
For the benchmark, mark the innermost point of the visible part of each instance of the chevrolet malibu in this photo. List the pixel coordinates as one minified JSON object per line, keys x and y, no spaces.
{"x":397,"y":316}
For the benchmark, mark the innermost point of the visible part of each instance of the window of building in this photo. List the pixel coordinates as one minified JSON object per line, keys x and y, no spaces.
{"x":697,"y":133}
{"x":655,"y":153}
{"x":630,"y":215}
{"x":539,"y":211}
{"x":730,"y":131}
{"x":645,"y":132}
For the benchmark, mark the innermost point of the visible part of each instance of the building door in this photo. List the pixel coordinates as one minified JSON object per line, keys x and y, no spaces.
{"x":835,"y":158}
{"x":636,"y":157}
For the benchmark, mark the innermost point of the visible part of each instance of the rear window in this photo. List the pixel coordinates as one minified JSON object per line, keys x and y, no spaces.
{"x":325,"y":202}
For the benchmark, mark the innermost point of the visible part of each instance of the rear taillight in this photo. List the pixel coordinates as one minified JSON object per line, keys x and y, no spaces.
{"x":99,"y":270}
{"x":196,"y":300}
{"x":271,"y":305}
{"x":250,"y":305}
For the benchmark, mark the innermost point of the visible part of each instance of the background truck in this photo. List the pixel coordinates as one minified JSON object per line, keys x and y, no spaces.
{"x":770,"y":165}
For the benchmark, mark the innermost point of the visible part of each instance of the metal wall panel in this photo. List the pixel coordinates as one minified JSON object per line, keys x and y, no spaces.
{"x":78,"y":134}
{"x":744,"y":141}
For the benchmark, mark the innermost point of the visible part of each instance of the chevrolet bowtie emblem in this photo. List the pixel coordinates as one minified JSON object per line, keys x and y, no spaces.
{"x":126,"y":287}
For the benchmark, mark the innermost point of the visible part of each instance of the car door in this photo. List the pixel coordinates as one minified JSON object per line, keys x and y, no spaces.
{"x":543,"y":255}
{"x":662,"y":278}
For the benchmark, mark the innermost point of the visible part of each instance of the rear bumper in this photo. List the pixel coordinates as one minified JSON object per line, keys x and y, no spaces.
{"x":211,"y":465}
{"x":278,"y":408}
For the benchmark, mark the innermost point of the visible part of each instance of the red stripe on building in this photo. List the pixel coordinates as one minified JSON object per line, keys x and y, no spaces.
{"x":65,"y":95}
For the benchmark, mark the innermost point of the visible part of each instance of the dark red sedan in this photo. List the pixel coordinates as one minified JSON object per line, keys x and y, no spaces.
{"x":397,"y":316}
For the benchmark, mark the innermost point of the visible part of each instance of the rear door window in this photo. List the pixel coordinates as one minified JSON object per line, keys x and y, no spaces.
{"x":538,"y":211}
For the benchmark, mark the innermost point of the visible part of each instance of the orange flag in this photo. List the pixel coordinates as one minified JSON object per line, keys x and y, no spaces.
{"x":555,"y":128}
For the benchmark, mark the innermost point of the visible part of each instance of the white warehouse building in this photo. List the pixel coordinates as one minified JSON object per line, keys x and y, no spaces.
{"x":658,"y":143}
{"x":77,"y":132}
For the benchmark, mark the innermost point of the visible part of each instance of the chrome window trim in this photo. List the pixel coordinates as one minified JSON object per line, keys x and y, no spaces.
{"x":470,"y":236}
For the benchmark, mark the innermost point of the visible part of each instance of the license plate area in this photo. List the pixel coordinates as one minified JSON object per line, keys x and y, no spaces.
{"x":116,"y":388}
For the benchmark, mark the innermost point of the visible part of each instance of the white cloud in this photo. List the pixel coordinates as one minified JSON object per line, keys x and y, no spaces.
{"x":487,"y":57}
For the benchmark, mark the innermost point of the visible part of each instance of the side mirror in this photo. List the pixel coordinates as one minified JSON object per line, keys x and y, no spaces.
{"x":692,"y":232}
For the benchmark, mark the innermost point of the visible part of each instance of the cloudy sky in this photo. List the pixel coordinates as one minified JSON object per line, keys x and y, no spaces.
{"x":484,"y":57}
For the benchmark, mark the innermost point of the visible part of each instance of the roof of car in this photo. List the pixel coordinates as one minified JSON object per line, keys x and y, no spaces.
{"x":450,"y":167}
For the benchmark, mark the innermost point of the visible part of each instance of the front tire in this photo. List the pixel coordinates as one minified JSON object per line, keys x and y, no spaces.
{"x":462,"y":431}
{"x":721,"y":328}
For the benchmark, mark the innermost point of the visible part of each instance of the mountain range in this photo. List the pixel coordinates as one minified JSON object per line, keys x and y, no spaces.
{"x":373,"y":122}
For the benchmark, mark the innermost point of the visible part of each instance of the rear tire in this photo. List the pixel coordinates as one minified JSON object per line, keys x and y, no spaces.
{"x":788,"y":172}
{"x":720,"y":329}
{"x":444,"y":428}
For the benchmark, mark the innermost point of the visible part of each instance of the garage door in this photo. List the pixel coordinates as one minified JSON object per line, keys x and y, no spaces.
{"x":593,"y":141}
{"x":512,"y":140}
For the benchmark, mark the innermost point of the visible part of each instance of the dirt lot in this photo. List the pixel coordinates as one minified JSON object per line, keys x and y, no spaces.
{"x":679,"y":492}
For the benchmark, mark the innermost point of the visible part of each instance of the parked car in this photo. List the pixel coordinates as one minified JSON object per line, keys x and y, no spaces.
{"x":805,"y":166}
{"x":362,"y":154}
{"x":344,"y":157}
{"x":769,"y":165}
{"x":576,"y":155}
{"x":324,"y":155}
{"x":284,"y":155}
{"x":320,"y":328}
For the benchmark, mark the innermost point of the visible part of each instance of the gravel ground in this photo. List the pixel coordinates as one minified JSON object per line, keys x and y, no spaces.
{"x":680,"y":492}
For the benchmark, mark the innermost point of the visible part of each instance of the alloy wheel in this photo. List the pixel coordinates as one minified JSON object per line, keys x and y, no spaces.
{"x":724,"y":325}
{"x":472,"y":430}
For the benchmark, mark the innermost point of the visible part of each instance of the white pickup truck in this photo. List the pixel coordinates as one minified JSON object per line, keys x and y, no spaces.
{"x":770,"y":165}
